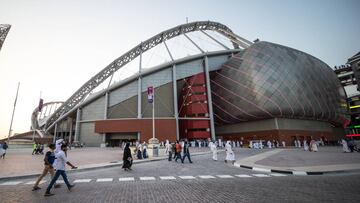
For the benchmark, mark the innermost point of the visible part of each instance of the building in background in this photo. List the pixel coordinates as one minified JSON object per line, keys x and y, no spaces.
{"x":349,"y":76}
{"x":237,"y":91}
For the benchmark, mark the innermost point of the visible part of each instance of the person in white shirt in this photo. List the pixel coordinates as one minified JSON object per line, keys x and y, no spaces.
{"x":169,"y":149}
{"x":213,"y":149}
{"x":230,"y":155}
{"x":61,"y":161}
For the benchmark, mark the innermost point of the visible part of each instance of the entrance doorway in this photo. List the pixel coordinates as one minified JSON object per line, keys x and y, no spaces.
{"x":117,"y":139}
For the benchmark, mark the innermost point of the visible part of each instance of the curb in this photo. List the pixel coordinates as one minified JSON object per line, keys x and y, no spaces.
{"x":297,"y":173}
{"x":107,"y":165}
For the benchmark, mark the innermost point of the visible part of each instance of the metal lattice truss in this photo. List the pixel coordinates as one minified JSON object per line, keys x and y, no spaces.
{"x":39,"y":118}
{"x":80,"y":95}
{"x":4,"y":29}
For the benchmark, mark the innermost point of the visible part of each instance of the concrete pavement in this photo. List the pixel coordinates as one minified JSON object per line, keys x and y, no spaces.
{"x":203,"y":181}
{"x":300,"y":162}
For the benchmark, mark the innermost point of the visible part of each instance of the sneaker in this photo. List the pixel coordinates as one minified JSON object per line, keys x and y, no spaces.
{"x":71,"y":186}
{"x":48,"y":194}
{"x":36,"y":188}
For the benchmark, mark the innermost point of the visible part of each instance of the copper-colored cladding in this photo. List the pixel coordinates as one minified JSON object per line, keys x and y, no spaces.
{"x":193,"y":103}
{"x":164,"y":128}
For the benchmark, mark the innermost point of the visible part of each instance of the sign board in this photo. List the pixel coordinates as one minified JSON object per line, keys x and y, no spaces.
{"x":150,"y":94}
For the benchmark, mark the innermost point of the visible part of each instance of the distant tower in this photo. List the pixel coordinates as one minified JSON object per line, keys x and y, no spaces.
{"x":4,"y":29}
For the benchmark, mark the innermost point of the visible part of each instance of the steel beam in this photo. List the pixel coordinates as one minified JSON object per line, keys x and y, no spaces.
{"x":208,"y":93}
{"x":96,"y":80}
{"x":217,"y":41}
{"x":77,"y":125}
{"x":176,"y":113}
{"x":202,"y":51}
{"x":4,"y":29}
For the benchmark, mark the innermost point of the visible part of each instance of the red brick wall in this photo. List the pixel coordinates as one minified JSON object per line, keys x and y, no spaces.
{"x":164,"y":128}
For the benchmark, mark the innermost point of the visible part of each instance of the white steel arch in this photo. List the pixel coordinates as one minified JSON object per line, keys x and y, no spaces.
{"x":84,"y":90}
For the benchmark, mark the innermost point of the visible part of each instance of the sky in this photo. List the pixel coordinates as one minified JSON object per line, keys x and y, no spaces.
{"x":54,"y":47}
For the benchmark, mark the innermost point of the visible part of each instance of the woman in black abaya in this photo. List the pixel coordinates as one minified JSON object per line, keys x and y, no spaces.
{"x":127,"y":158}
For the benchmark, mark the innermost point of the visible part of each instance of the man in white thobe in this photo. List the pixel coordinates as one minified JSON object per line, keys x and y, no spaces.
{"x":345,"y":146}
{"x":230,"y":156}
{"x":299,"y":143}
{"x":269,"y":144}
{"x":261,"y":146}
{"x":212,"y":146}
{"x":306,"y":147}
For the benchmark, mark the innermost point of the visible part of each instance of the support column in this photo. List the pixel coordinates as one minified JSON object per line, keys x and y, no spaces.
{"x":70,"y":130}
{"x":176,"y":113}
{"x":55,"y":131}
{"x":77,"y":125}
{"x":208,"y":92}
{"x":139,"y":114}
{"x":105,"y":117}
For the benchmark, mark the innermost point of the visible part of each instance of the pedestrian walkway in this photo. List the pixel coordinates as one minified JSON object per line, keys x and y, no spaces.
{"x":300,"y":162}
{"x":152,"y":178}
{"x":20,"y":162}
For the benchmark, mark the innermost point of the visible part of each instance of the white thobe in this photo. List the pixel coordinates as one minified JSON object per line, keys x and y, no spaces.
{"x":230,"y":156}
{"x":306,"y":147}
{"x":345,"y":146}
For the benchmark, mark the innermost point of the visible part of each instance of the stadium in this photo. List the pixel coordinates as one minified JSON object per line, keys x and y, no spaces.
{"x":227,"y":88}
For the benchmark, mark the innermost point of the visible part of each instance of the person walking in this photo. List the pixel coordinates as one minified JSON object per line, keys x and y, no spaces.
{"x":61,"y":161}
{"x":4,"y":148}
{"x":306,"y":146}
{"x":139,"y":154}
{"x":127,"y":158}
{"x":269,"y":144}
{"x":186,"y":152}
{"x":168,"y":150}
{"x":345,"y":146}
{"x":313,"y":146}
{"x":34,"y":148}
{"x":1,"y":150}
{"x":48,"y":166}
{"x":230,"y":156}
{"x":144,"y":151}
{"x":213,"y":148}
{"x":177,"y":151}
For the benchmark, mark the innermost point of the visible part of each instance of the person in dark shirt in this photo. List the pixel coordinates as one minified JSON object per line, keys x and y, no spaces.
{"x":186,"y":152}
{"x":127,"y":158}
{"x":48,"y":166}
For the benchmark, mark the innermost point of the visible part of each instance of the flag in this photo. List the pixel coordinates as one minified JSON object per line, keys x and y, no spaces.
{"x":150,"y":94}
{"x":41,"y":104}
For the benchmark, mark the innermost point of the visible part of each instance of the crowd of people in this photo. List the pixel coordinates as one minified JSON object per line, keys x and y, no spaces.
{"x":56,"y":157}
{"x":349,"y":145}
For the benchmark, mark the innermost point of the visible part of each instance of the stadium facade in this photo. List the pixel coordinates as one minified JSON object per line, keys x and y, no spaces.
{"x":252,"y":91}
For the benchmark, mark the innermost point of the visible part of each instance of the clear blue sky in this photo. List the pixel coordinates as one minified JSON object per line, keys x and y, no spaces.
{"x":56,"y":46}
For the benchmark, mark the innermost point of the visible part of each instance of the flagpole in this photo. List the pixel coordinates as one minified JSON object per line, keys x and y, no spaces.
{"x":12,"y":117}
{"x":153,"y":113}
